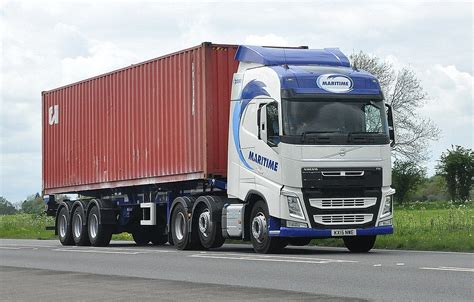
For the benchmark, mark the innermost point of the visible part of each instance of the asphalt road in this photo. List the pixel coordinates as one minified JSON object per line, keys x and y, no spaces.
{"x":46,"y":271}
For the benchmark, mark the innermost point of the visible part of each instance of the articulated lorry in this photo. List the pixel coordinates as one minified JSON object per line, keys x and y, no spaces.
{"x":271,"y":145}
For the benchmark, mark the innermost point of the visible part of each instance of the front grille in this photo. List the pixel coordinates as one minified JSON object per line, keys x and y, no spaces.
{"x":342,"y":203}
{"x":343,"y":219}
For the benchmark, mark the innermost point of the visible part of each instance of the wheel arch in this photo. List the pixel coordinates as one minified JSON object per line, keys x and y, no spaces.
{"x":106,"y":209}
{"x":252,"y":197}
{"x":214,"y":203}
{"x":83,"y":205}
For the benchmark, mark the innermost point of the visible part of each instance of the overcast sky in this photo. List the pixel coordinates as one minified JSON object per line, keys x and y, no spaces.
{"x":48,"y":44}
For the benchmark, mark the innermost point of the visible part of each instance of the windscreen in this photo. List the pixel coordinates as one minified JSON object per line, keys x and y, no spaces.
{"x":341,"y":117}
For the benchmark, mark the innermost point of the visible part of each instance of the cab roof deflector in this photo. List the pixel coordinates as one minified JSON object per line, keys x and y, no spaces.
{"x":291,"y":56}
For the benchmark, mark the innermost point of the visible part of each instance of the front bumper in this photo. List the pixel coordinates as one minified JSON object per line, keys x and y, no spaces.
{"x":325,"y":233}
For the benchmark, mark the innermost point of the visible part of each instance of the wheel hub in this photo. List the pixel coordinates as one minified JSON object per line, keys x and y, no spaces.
{"x":62,"y":226}
{"x":259,"y":227}
{"x":93,"y":225}
{"x":204,"y":223}
{"x":180,"y":226}
{"x":77,"y":225}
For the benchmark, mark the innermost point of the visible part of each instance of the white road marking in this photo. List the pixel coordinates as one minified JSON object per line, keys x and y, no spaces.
{"x":377,"y":264}
{"x":449,"y":268}
{"x":27,"y":245}
{"x":277,"y":257}
{"x":97,"y":251}
{"x":17,"y":248}
{"x":400,"y":264}
{"x":269,"y":258}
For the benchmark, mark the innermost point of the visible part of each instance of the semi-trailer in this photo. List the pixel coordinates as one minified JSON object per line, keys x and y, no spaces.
{"x":273,"y":145}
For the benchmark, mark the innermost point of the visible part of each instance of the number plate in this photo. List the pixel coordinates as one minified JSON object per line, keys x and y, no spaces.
{"x":350,"y":232}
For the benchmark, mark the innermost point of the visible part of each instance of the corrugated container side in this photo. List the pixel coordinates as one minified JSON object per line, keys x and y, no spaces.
{"x":154,"y":122}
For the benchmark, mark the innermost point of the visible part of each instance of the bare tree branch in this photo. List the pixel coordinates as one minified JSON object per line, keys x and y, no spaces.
{"x":403,"y":91}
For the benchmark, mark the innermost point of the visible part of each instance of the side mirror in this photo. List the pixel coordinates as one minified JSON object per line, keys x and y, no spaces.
{"x":391,"y":128}
{"x":262,"y":125}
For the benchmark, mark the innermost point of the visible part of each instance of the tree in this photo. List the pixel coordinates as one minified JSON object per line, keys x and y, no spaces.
{"x":432,"y":189}
{"x":406,"y":176}
{"x":405,"y":94}
{"x":457,"y":167}
{"x":33,"y":205}
{"x":6,"y":207}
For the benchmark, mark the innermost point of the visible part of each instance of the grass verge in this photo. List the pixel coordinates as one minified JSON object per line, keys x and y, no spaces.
{"x":439,"y":226}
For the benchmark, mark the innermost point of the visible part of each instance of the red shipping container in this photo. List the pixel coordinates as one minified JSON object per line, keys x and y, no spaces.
{"x":154,"y":122}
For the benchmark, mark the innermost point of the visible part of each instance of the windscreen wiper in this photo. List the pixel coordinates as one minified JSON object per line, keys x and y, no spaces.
{"x":350,"y":134}
{"x":303,"y":135}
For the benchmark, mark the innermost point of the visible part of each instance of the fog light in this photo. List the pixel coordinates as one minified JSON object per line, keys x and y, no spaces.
{"x":385,"y":222}
{"x":295,"y":224}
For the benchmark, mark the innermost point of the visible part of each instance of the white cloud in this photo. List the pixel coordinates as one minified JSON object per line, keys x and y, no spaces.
{"x":452,"y":108}
{"x":45,"y":46}
{"x":103,"y":57}
{"x":267,"y":40}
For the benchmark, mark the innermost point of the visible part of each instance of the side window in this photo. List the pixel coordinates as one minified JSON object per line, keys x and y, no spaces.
{"x":273,"y":130}
{"x":373,"y":121}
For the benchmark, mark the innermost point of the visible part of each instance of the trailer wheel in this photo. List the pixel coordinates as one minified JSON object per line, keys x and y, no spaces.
{"x":64,"y":227}
{"x":210,"y":233}
{"x":141,"y":236}
{"x":359,"y":244}
{"x":299,"y":241}
{"x":99,"y":234}
{"x":79,"y":228}
{"x":261,"y":241}
{"x":179,"y":228}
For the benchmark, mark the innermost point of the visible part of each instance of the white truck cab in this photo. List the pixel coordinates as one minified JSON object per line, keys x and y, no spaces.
{"x":310,"y":136}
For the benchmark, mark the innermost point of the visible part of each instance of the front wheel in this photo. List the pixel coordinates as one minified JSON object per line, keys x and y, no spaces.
{"x":261,"y":241}
{"x":359,"y":244}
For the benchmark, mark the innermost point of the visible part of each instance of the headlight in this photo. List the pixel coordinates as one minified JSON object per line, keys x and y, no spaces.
{"x":387,"y":207}
{"x":294,"y":207}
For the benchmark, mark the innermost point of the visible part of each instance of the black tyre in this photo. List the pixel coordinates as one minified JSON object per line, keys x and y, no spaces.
{"x":179,"y":228}
{"x":141,"y":236}
{"x":79,"y":227}
{"x":299,"y":241}
{"x":210,"y":232}
{"x":64,"y":227}
{"x":99,"y":234}
{"x":359,"y":244}
{"x":261,"y":241}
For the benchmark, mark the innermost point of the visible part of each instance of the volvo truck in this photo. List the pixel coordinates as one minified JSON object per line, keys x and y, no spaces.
{"x":272,"y":145}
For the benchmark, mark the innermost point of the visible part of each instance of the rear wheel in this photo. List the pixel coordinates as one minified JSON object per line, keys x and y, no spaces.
{"x":179,"y":228}
{"x":64,"y":227}
{"x":359,"y":244}
{"x":99,"y":234}
{"x":210,"y":233}
{"x":261,"y":241}
{"x":79,"y":227}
